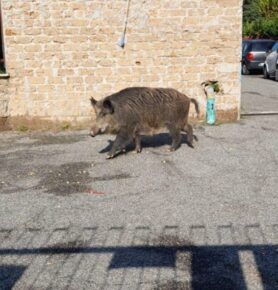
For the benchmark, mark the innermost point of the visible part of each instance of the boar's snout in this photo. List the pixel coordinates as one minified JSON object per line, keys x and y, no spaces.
{"x":94,"y":131}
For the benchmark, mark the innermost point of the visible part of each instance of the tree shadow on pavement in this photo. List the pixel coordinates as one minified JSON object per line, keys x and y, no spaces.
{"x":9,"y":275}
{"x":211,"y":267}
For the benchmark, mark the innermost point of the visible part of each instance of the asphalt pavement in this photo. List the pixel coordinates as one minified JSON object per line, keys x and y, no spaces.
{"x":202,"y":218}
{"x":259,"y":94}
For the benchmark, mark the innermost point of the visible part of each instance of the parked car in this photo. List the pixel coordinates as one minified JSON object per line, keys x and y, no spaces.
{"x":270,"y":66}
{"x":254,"y":54}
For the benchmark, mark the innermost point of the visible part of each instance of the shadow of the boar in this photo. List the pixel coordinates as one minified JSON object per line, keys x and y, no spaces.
{"x":155,"y":141}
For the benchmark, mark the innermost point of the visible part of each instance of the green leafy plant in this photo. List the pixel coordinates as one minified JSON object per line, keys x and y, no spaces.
{"x":65,"y":126}
{"x":23,"y":128}
{"x":214,"y":84}
{"x":260,"y":18}
{"x":2,"y":70}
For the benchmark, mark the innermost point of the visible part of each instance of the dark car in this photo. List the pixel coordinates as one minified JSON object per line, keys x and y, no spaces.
{"x":254,"y":54}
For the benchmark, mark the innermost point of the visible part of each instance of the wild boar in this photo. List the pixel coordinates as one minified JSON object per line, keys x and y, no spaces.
{"x":135,"y":111}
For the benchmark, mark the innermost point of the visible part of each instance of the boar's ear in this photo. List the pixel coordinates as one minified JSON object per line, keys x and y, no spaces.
{"x":108,"y":107}
{"x":93,"y":101}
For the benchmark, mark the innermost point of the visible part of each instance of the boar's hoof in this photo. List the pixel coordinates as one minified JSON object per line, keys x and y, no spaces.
{"x":170,"y":149}
{"x":190,"y":145}
{"x":110,"y":156}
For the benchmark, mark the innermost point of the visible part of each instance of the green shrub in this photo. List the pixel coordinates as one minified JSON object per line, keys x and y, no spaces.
{"x":261,"y":28}
{"x":260,"y":18}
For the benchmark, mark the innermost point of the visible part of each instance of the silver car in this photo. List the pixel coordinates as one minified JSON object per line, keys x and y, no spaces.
{"x":271,"y":63}
{"x":254,"y":54}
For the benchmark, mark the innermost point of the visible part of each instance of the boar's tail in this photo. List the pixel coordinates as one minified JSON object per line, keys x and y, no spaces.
{"x":196,"y":106}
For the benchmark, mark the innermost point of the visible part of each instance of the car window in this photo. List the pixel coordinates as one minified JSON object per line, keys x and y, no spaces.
{"x":275,"y":47}
{"x":244,"y":47}
{"x":262,"y":46}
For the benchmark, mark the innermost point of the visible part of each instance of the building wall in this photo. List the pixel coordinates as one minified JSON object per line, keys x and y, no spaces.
{"x":59,"y":53}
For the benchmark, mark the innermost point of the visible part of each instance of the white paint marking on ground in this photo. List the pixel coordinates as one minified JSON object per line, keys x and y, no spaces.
{"x":183,"y":267}
{"x":250,"y":271}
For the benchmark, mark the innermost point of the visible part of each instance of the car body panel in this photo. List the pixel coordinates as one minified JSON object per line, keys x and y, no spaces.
{"x":271,"y":60}
{"x":258,"y":49}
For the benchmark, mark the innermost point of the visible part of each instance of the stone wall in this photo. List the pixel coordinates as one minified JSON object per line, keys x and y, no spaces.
{"x":59,"y":53}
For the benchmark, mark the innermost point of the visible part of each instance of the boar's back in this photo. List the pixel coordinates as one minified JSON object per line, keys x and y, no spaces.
{"x":152,"y":106}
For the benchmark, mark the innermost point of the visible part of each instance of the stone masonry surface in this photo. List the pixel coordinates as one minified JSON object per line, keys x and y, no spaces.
{"x":60,"y":53}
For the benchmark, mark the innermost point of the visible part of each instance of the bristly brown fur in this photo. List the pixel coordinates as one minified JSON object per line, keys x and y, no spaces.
{"x":152,"y":106}
{"x":142,"y":109}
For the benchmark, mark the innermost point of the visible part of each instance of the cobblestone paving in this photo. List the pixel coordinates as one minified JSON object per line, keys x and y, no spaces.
{"x":169,"y":257}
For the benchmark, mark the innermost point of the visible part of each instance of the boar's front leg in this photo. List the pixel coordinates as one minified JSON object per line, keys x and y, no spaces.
{"x":137,"y":141}
{"x":122,"y":139}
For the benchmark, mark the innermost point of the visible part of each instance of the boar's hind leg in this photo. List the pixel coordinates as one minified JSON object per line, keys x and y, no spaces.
{"x":176,"y":137}
{"x":189,"y":131}
{"x":122,"y":139}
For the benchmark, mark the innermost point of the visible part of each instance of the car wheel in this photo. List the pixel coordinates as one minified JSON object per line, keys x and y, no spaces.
{"x":276,"y":75}
{"x":266,"y":74}
{"x":245,"y":70}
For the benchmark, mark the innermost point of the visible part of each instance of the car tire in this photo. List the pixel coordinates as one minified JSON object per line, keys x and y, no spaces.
{"x":245,"y":70}
{"x":276,"y":75}
{"x":266,"y":74}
